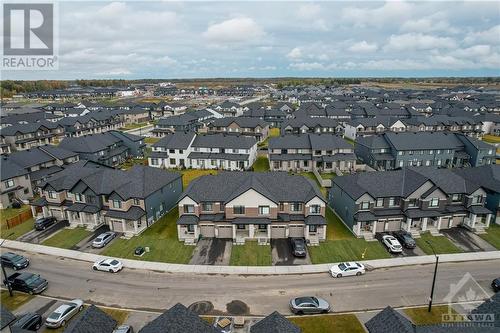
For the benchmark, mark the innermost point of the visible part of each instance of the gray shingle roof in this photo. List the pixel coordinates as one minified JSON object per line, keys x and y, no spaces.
{"x":389,"y":321}
{"x":91,"y":320}
{"x":423,"y":140}
{"x":224,"y":141}
{"x":178,"y":319}
{"x":275,"y":323}
{"x":89,"y":143}
{"x":177,"y":140}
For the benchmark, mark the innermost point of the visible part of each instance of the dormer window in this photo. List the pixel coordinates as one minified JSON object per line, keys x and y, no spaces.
{"x":117,"y":204}
{"x":264,"y":210}
{"x":365,"y":205}
{"x":434,"y":202}
{"x":456,"y":198}
{"x":78,"y":197}
{"x":189,"y":209}
{"x":52,"y":195}
{"x":314,"y":209}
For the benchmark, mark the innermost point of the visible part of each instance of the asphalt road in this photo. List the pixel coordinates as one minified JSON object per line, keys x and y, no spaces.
{"x":149,"y":290}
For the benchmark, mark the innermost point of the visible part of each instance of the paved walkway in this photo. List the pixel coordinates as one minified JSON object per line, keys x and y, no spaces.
{"x":248,"y":270}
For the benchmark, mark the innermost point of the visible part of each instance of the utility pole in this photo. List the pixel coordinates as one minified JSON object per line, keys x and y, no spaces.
{"x":434,"y":277}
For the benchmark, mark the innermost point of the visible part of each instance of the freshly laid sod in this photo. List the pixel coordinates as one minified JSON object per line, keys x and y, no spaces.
{"x":441,"y":244}
{"x":17,"y":231}
{"x":346,"y":323}
{"x":161,"y":238}
{"x":134,"y":126}
{"x":420,"y":316}
{"x":335,"y":229}
{"x":261,"y":164}
{"x":349,"y":141}
{"x":274,"y":132}
{"x":328,"y":175}
{"x":491,"y":138}
{"x":189,"y":175}
{"x":346,"y":250}
{"x":251,"y":254}
{"x":493,"y":235}
{"x":151,"y":140}
{"x":311,"y":176}
{"x":67,"y":238}
{"x":12,"y":303}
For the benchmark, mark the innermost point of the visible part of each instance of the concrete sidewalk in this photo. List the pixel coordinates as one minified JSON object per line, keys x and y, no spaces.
{"x":248,"y":270}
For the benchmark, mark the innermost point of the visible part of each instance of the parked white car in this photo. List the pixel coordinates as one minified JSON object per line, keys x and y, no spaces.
{"x":392,"y":244}
{"x":108,"y":265}
{"x":64,"y":313}
{"x":347,"y":269}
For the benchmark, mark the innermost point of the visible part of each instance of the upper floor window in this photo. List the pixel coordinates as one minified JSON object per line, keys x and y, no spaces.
{"x":137,"y":201}
{"x":239,"y":210}
{"x":282,"y":206}
{"x":456,"y":198}
{"x":171,"y":151}
{"x":434,"y":202}
{"x":365,"y":205}
{"x":314,"y":209}
{"x":477,"y":199}
{"x":117,"y":204}
{"x":78,"y":197}
{"x":296,"y":207}
{"x":189,"y":209}
{"x":207,"y":207}
{"x":264,"y":210}
{"x":412,"y":203}
{"x":52,"y":195}
{"x":9,"y":183}
{"x":393,"y":202}
{"x":380,"y":202}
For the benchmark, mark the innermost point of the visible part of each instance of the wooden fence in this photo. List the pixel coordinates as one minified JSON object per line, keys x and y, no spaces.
{"x":16,"y":220}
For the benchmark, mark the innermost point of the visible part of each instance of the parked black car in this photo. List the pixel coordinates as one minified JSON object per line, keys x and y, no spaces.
{"x":27,"y":282}
{"x":44,"y":222}
{"x":29,"y":321}
{"x":14,"y":261}
{"x":495,"y":284}
{"x":405,"y":239}
{"x":298,"y":247}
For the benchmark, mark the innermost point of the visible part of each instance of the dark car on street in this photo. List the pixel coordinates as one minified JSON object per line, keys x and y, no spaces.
{"x":29,"y":321}
{"x":44,"y":222}
{"x":14,"y":261}
{"x":27,"y":283}
{"x":495,"y":284}
{"x":405,"y":239}
{"x":298,"y":247}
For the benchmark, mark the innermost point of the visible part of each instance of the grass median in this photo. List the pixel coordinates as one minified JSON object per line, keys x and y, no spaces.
{"x":420,"y":316}
{"x":440,"y":244}
{"x":67,"y":238}
{"x":345,"y":323}
{"x":261,"y":164}
{"x":251,"y":254}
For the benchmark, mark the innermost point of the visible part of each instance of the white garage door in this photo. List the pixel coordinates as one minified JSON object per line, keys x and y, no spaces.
{"x":117,"y":225}
{"x":278,"y":231}
{"x":393,"y":225}
{"x":296,"y":231}
{"x":207,"y":231}
{"x":56,"y":213}
{"x":456,"y":221}
{"x":225,"y":231}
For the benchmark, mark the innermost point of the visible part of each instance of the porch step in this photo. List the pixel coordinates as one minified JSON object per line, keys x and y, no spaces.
{"x":415,"y":234}
{"x":369,"y":237}
{"x":479,"y":230}
{"x":189,"y":241}
{"x":435,"y":232}
{"x":239,"y":241}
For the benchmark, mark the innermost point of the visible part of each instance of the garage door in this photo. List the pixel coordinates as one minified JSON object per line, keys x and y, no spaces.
{"x":456,"y":221}
{"x":207,"y":231}
{"x":56,"y":213}
{"x":225,"y":231}
{"x":444,"y":222}
{"x":296,"y":231}
{"x":117,"y":225}
{"x":278,"y":231}
{"x":393,"y":225}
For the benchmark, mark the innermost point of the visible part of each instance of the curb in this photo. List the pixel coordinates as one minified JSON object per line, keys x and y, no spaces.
{"x":248,"y":270}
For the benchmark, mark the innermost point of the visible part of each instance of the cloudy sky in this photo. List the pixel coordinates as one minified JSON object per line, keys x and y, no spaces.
{"x":270,"y":39}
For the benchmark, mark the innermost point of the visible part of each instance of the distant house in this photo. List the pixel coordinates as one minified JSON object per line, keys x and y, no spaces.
{"x":127,"y":201}
{"x":210,"y":151}
{"x":111,"y":148}
{"x":369,"y":126}
{"x":240,"y":125}
{"x":310,"y":125}
{"x":307,"y":152}
{"x":395,"y":150}
{"x":229,"y":109}
{"x":189,"y":121}
{"x":252,"y":206}
{"x":26,"y":136}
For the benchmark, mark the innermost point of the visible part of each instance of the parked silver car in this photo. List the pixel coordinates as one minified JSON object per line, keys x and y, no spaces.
{"x":309,"y":305}
{"x":103,"y":239}
{"x":64,"y":313}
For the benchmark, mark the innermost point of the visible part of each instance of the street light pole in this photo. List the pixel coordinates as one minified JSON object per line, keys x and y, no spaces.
{"x":434,"y":278}
{"x":7,"y":283}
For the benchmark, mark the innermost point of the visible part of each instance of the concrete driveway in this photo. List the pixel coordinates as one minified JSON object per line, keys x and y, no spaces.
{"x":467,"y":240}
{"x":86,"y":244}
{"x":406,"y":252}
{"x":212,"y":251}
{"x":38,"y":236}
{"x":281,"y":253}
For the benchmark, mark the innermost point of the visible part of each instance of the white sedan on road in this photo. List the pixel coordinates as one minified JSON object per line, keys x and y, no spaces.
{"x":392,"y":244}
{"x":108,"y":265}
{"x":346,"y":269}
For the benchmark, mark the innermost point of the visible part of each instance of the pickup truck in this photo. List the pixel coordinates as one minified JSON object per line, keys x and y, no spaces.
{"x":27,"y":282}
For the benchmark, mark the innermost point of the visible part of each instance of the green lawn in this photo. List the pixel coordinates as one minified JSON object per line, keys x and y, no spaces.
{"x":7,"y":213}
{"x":420,"y":316}
{"x":345,"y":323}
{"x":151,"y":140}
{"x":346,"y":250}
{"x":274,"y":132}
{"x":12,"y":303}
{"x":328,"y":175}
{"x":491,"y":138}
{"x":493,"y":235}
{"x":311,"y":175}
{"x":251,"y":254}
{"x":441,"y":244}
{"x":335,"y":229}
{"x":67,"y":238}
{"x":134,"y":126}
{"x":17,"y":231}
{"x":161,"y":238}
{"x":261,"y":164}
{"x":131,"y":162}
{"x":189,"y":175}
{"x":349,"y":141}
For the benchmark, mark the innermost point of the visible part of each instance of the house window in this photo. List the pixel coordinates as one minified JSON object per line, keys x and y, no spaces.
{"x":154,"y":161}
{"x":172,"y":161}
{"x":262,"y":227}
{"x":137,"y":201}
{"x":117,"y":204}
{"x":412,"y":203}
{"x":241,"y":226}
{"x":282,"y":206}
{"x":365,"y":205}
{"x":434,"y":202}
{"x":393,"y":202}
{"x":239,"y":210}
{"x":190,"y":228}
{"x":171,"y":151}
{"x":52,"y":195}
{"x":477,"y":199}
{"x":9,"y":183}
{"x":380,"y":202}
{"x":78,"y":197}
{"x":314,"y":209}
{"x":263,"y":210}
{"x":313,"y":228}
{"x":189,"y":209}
{"x":456,"y":198}
{"x":296,"y":207}
{"x":207,"y":207}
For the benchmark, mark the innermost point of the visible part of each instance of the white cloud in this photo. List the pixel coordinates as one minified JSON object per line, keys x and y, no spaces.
{"x":307,"y":66}
{"x":363,"y":47}
{"x":491,"y":36}
{"x":429,"y":24}
{"x":311,"y":14}
{"x":391,"y":12}
{"x":234,"y":30}
{"x":295,"y":53}
{"x":418,"y":41}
